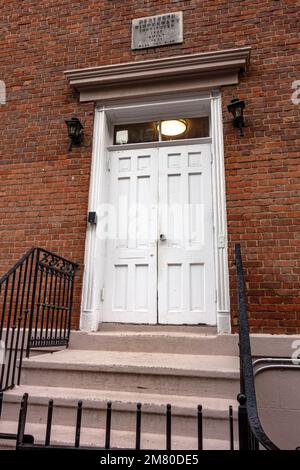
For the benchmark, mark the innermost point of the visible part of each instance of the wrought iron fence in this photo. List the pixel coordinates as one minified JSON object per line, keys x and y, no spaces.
{"x":35,"y":309}
{"x":28,"y":442}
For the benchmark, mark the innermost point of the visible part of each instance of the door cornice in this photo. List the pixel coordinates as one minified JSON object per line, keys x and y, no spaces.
{"x":182,"y":73}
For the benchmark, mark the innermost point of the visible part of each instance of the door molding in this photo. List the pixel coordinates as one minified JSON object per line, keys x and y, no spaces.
{"x":188,"y":72}
{"x":91,"y":305}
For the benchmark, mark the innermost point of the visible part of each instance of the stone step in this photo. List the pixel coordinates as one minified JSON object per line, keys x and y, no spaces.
{"x":184,"y":409}
{"x":192,"y":375}
{"x":64,"y":435}
{"x":174,"y":341}
{"x":129,"y":327}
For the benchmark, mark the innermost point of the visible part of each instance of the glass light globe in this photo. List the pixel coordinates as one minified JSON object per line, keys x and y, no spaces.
{"x":173,"y":127}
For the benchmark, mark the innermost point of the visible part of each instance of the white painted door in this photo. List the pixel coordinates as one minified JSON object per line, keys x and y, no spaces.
{"x":159,"y":263}
{"x":130,"y":290}
{"x":186,"y":282}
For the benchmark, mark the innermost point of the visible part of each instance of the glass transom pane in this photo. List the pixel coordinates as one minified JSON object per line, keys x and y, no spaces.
{"x":188,"y":128}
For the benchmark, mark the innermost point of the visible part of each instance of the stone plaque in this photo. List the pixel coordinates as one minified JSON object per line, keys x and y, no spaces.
{"x":159,"y":30}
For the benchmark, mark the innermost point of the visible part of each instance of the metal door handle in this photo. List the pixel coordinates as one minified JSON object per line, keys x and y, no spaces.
{"x":162,"y":237}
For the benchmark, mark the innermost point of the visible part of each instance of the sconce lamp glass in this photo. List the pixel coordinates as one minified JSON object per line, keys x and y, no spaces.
{"x":236,"y":108}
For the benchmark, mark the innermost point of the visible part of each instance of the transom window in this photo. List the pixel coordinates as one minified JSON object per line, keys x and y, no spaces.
{"x":163,"y":130}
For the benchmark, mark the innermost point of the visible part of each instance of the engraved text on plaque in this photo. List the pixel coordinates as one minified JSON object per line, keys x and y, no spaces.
{"x":160,"y":30}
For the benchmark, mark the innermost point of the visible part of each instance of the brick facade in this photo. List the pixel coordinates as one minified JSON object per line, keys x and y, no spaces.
{"x":44,"y":188}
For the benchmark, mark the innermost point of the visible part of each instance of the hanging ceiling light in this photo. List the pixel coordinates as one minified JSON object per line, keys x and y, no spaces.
{"x":173,"y":127}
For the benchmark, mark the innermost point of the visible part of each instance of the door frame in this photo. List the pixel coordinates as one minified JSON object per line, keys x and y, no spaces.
{"x":108,"y":114}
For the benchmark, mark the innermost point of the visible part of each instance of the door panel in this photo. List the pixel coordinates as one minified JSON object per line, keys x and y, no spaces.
{"x":131,"y":262}
{"x":186,"y":285}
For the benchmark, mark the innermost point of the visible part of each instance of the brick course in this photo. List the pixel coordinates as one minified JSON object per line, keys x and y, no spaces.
{"x":44,"y":188}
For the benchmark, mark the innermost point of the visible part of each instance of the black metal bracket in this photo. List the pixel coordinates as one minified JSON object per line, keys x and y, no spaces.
{"x":92,"y":218}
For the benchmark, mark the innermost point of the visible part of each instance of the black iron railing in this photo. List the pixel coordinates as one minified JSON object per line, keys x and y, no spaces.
{"x":35,"y":309}
{"x":29,"y":442}
{"x":251,"y":433}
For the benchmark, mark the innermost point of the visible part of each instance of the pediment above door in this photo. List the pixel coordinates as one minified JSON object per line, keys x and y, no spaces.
{"x":190,"y":72}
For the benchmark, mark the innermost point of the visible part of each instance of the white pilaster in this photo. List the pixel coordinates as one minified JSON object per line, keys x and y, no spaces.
{"x":90,"y":304}
{"x":220,"y":222}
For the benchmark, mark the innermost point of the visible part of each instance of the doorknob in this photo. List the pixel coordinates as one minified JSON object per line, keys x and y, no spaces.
{"x":162,"y":237}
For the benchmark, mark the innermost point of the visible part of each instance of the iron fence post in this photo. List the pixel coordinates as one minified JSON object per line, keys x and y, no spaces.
{"x":70,"y":307}
{"x":22,"y":421}
{"x":243,"y":423}
{"x":32,"y":306}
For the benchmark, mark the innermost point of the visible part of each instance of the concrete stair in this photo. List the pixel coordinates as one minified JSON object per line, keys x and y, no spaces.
{"x":120,"y":366}
{"x":160,"y":339}
{"x":214,"y":376}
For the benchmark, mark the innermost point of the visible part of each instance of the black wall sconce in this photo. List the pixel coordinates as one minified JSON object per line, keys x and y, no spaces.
{"x":236,"y":108}
{"x":75,"y":132}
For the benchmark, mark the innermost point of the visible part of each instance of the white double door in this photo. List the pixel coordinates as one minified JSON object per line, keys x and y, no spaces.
{"x":159,"y":265}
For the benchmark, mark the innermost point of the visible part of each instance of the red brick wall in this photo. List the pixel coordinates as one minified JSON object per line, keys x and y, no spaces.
{"x":44,"y":188}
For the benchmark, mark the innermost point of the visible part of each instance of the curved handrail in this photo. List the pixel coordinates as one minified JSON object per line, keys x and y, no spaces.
{"x":16,"y":265}
{"x":272,"y":363}
{"x":26,"y":255}
{"x":246,"y":366}
{"x":51,"y":253}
